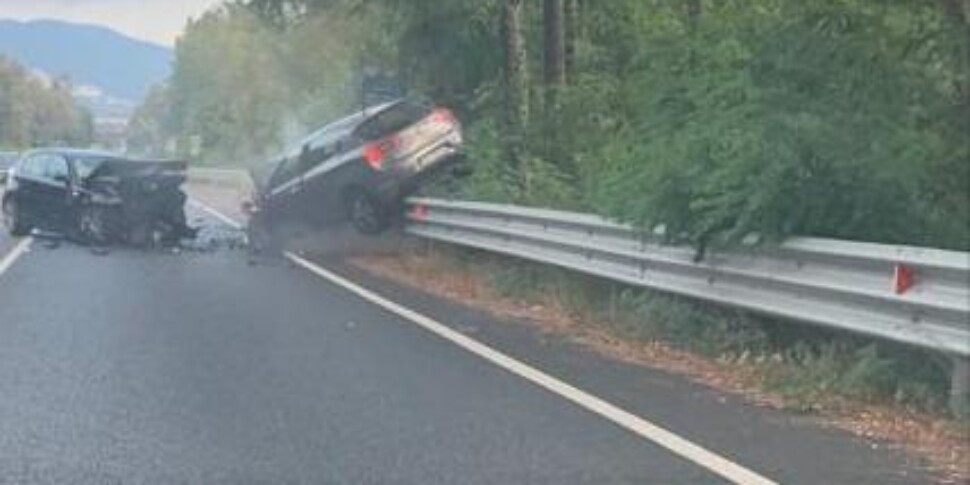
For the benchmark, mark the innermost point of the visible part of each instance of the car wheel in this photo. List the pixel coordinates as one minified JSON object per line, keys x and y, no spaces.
{"x":366,"y":213}
{"x":93,"y":226}
{"x":12,"y":218}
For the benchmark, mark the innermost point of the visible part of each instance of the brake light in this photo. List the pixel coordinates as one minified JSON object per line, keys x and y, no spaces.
{"x":374,"y":156}
{"x":376,"y":153}
{"x":443,"y":115}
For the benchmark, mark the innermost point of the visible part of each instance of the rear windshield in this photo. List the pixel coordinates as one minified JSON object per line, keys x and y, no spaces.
{"x":393,"y":119}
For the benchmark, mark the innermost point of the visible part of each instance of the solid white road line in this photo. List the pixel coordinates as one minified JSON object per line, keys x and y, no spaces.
{"x":672,"y":442}
{"x":18,"y":250}
{"x":214,"y":213}
{"x":667,"y":439}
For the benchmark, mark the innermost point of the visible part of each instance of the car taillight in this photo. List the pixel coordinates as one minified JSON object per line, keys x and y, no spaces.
{"x":376,"y":153}
{"x":443,"y":115}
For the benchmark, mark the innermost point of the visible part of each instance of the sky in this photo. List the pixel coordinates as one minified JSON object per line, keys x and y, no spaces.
{"x":158,"y":21}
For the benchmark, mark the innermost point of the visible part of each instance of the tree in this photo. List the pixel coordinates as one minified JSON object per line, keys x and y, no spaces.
{"x":36,"y":112}
{"x":516,"y":80}
{"x":573,"y":33}
{"x":555,"y":42}
{"x":150,"y":129}
{"x":232,"y":113}
{"x":714,"y":119}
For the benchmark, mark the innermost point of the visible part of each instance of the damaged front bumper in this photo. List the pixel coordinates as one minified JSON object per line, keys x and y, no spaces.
{"x":141,"y":204}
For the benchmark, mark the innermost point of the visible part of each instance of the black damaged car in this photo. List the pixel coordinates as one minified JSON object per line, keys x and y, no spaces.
{"x":97,"y":197}
{"x":361,"y":168}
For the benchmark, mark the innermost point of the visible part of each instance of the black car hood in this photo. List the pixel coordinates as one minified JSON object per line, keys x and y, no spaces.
{"x":125,"y":169}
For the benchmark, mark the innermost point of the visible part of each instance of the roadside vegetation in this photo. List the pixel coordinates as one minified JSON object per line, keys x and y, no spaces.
{"x":880,"y":391}
{"x":801,"y":363}
{"x":714,"y":118}
{"x":38,"y":112}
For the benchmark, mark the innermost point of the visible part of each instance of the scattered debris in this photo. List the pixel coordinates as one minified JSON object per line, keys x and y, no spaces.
{"x":207,"y":237}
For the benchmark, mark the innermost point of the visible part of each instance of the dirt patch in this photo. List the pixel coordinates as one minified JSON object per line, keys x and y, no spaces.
{"x":944,"y":443}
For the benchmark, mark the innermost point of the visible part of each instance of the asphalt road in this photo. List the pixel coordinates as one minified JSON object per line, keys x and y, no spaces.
{"x":138,"y":367}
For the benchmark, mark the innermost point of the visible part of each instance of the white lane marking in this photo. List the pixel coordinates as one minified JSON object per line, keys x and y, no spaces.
{"x":667,"y":439}
{"x":18,"y":250}
{"x":645,"y":429}
{"x":214,"y":213}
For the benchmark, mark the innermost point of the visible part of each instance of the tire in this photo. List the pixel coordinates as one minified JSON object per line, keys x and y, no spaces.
{"x":94,"y":226}
{"x":140,"y":235}
{"x":366,"y":214}
{"x":13,"y":220}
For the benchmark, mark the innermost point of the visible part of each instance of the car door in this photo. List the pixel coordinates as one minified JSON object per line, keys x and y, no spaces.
{"x":29,"y":185}
{"x":51,"y":192}
{"x":319,"y":200}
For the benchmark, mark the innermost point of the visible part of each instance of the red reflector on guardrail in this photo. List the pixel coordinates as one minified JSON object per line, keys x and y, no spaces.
{"x":419,"y":212}
{"x":903,"y":278}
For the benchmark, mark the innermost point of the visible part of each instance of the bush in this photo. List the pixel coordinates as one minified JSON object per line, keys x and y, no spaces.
{"x":812,"y":118}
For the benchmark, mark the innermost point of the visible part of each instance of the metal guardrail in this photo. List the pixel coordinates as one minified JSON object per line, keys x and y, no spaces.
{"x":914,"y":295}
{"x":220,"y":176}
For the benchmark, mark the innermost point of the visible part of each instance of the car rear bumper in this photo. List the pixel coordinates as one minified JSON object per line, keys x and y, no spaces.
{"x":399,"y":185}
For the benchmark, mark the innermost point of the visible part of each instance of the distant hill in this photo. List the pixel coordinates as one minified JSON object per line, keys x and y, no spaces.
{"x":89,"y":55}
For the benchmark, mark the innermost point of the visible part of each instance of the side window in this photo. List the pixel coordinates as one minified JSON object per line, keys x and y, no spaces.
{"x":393,"y":119}
{"x":32,"y":166}
{"x":55,"y":168}
{"x":319,"y":149}
{"x":287,"y":170}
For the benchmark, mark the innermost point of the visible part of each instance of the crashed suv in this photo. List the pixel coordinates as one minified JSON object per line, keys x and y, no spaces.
{"x":97,"y":198}
{"x":362,"y":167}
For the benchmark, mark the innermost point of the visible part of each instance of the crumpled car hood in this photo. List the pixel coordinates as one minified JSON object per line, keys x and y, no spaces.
{"x":170,"y":171}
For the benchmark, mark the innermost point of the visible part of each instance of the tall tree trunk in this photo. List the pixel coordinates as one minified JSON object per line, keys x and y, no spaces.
{"x":516,"y":80}
{"x":555,"y":42}
{"x":554,"y":68}
{"x":957,"y":13}
{"x":573,"y":34}
{"x":693,"y":14}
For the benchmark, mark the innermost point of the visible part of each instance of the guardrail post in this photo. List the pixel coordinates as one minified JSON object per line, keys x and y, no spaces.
{"x":960,"y":387}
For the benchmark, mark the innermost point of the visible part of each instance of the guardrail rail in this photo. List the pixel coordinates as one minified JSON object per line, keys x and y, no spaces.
{"x":220,"y":176}
{"x":918,"y":296}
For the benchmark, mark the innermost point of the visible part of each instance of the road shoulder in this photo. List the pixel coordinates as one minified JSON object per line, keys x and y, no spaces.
{"x":763,"y":438}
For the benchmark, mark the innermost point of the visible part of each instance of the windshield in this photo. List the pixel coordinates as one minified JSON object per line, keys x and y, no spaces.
{"x":484,"y":242}
{"x":87,"y":166}
{"x":392,"y":119}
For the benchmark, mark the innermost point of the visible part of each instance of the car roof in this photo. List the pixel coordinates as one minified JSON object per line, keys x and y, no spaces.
{"x":344,"y":124}
{"x":75,"y":152}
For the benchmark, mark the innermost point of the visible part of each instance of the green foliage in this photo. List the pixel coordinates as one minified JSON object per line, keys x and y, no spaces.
{"x":150,"y":125}
{"x":226,"y":95}
{"x":812,"y":118}
{"x":812,"y":371}
{"x":707,"y":330}
{"x":833,"y":118}
{"x":38,"y":113}
{"x":535,"y":181}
